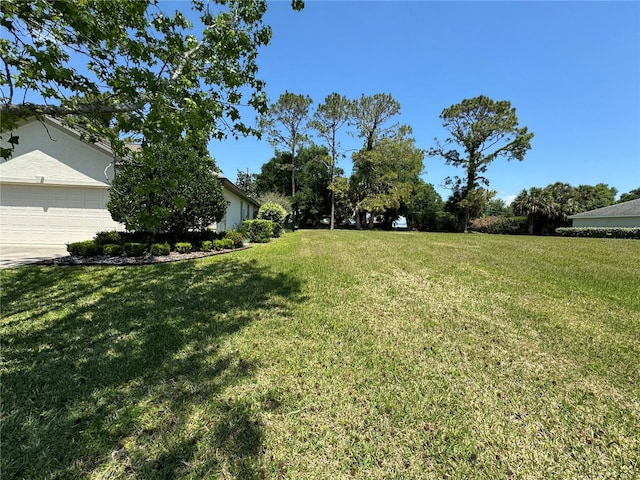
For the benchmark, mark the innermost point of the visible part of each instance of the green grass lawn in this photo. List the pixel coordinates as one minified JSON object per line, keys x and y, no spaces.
{"x":329,"y":355}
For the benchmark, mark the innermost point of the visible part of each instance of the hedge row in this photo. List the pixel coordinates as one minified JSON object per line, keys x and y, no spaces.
{"x":600,"y":232}
{"x":113,"y":244}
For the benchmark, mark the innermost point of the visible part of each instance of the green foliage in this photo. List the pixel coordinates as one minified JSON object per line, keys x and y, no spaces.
{"x":104,"y":238}
{"x":274,"y":197}
{"x":183,"y":247}
{"x":313,"y":179}
{"x":160,"y":249}
{"x":483,"y":130}
{"x":134,"y":249}
{"x":500,"y":225}
{"x":370,"y":114}
{"x":112,"y":249}
{"x":236,"y":237}
{"x":468,"y":205}
{"x":168,"y":188}
{"x":600,"y":232}
{"x":146,"y":70}
{"x":384,"y":177}
{"x":258,"y":231}
{"x":285,"y":125}
{"x":223,"y":244}
{"x":548,"y":208}
{"x":497,"y":207}
{"x":423,"y":206}
{"x":207,"y":246}
{"x":246,"y":182}
{"x":275,"y":213}
{"x":632,"y":195}
{"x":87,"y":248}
{"x":328,"y":119}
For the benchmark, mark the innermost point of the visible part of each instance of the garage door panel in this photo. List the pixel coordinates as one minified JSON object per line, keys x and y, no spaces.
{"x":46,"y":215}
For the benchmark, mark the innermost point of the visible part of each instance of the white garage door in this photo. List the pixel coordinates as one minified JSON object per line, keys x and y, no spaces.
{"x":52,"y":215}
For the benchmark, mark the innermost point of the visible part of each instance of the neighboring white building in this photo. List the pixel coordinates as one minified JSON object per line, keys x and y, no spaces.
{"x":625,"y":214}
{"x":55,"y":187}
{"x":240,"y":207}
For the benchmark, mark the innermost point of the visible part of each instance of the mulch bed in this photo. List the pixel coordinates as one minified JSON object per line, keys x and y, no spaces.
{"x":123,"y":260}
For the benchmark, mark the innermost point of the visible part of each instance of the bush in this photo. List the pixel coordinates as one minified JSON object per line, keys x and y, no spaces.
{"x":112,"y":249}
{"x":88,"y":248}
{"x":500,"y":225}
{"x":183,"y":247}
{"x":132,"y":249}
{"x":207,"y":246}
{"x":258,"y":231}
{"x":223,"y":244}
{"x":108,"y":238}
{"x":276,"y":213}
{"x":160,"y":249}
{"x":236,"y":237}
{"x":600,"y":232}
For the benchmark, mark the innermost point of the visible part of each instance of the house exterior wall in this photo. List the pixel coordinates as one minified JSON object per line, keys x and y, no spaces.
{"x":81,"y":159}
{"x":54,"y":188}
{"x":606,"y":222}
{"x":238,"y":210}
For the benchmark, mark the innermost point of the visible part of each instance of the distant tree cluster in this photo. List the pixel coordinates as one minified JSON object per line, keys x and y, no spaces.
{"x":385,"y":173}
{"x":548,"y":208}
{"x":385,"y":182}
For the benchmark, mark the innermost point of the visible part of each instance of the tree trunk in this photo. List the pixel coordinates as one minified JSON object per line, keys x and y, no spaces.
{"x":465,"y":221}
{"x":333,"y":212}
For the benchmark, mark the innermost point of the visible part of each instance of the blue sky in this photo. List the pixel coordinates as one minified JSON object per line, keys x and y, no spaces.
{"x":571,"y":70}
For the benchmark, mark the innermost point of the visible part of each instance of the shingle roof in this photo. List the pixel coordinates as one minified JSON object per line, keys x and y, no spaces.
{"x":625,"y":209}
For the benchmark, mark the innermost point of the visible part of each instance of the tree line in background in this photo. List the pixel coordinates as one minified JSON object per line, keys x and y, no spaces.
{"x":385,"y":182}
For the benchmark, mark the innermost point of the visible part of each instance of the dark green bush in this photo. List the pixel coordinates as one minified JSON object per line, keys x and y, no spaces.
{"x":258,"y":231}
{"x":87,"y":248}
{"x":132,"y":249}
{"x":112,"y":249}
{"x":160,"y":249}
{"x":108,"y":238}
{"x":236,"y":237}
{"x":183,"y":247}
{"x":207,"y":246}
{"x":600,"y":232}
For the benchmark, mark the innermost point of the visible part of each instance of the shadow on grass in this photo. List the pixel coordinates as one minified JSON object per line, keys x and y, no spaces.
{"x":128,"y":371}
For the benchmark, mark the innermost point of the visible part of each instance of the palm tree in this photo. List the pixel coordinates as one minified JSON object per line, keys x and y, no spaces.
{"x":538,"y":205}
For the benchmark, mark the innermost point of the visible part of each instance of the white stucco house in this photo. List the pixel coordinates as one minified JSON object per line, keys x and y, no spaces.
{"x":54,"y":189}
{"x":625,"y":214}
{"x":240,"y":207}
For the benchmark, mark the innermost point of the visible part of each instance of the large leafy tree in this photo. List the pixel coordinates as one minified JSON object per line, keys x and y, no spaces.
{"x":285,"y":124}
{"x":312,"y":199}
{"x":168,"y":188}
{"x":370,"y":117}
{"x":383,"y":178}
{"x":328,"y":119}
{"x":424,"y":207}
{"x":157,"y":73}
{"x":481,"y":130}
